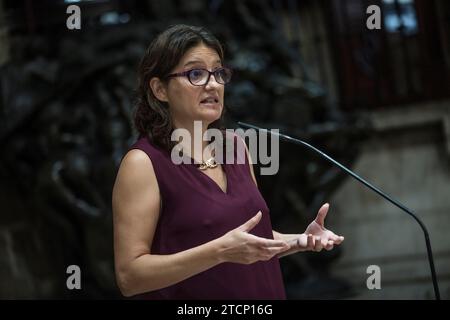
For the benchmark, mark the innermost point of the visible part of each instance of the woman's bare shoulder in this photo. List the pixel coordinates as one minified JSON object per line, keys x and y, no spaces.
{"x":136,"y":157}
{"x":136,"y":169}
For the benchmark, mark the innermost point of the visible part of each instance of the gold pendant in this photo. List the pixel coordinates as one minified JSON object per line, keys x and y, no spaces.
{"x":210,"y":163}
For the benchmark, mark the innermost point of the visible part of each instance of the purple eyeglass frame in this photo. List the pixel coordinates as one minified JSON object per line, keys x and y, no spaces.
{"x":186,"y":74}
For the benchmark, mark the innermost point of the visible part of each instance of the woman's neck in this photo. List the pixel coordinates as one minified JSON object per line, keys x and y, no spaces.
{"x":195,"y":147}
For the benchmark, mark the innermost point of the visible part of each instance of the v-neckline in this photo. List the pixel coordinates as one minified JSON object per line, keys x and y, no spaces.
{"x":192,"y":164}
{"x":211,"y":180}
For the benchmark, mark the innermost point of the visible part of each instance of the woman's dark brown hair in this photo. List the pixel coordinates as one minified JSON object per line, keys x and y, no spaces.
{"x":152,"y":117}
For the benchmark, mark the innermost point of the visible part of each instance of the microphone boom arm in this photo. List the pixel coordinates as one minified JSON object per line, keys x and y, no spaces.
{"x":370,"y":186}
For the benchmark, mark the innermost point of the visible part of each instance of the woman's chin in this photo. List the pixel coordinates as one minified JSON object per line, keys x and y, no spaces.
{"x":210,"y":114}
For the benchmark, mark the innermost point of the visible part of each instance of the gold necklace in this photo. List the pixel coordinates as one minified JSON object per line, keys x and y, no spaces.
{"x":210,"y":163}
{"x":203,"y":165}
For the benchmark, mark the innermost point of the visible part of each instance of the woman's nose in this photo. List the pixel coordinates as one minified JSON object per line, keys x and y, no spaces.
{"x":212,"y":83}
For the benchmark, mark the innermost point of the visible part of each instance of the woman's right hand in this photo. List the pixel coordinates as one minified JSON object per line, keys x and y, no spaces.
{"x":239,"y":246}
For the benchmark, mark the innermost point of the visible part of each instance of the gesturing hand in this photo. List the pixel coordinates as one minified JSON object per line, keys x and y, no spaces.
{"x":315,"y":238}
{"x":239,"y":246}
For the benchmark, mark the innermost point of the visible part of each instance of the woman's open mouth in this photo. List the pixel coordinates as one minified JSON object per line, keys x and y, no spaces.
{"x":210,"y":102}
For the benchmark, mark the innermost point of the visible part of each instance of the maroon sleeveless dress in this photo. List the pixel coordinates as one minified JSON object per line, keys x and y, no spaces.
{"x":194,"y":211}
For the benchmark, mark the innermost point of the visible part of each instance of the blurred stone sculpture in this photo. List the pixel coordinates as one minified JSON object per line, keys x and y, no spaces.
{"x":65,"y":122}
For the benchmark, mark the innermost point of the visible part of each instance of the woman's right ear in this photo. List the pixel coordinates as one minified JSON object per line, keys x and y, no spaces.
{"x":158,"y":88}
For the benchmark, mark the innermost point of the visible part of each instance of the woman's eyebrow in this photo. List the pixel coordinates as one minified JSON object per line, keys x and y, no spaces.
{"x":199,"y":61}
{"x":193,"y":62}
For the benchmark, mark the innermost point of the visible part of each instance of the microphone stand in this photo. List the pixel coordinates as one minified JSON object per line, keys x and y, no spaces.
{"x":370,"y":186}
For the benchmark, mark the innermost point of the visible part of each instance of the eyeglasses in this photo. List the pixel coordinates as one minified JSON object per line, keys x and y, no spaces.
{"x":200,"y":77}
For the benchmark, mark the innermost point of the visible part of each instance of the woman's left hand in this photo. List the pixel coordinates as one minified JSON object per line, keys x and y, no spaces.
{"x":315,"y":238}
{"x":320,"y":236}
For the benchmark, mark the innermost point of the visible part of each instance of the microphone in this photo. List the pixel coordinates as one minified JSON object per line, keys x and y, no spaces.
{"x":367,"y":184}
